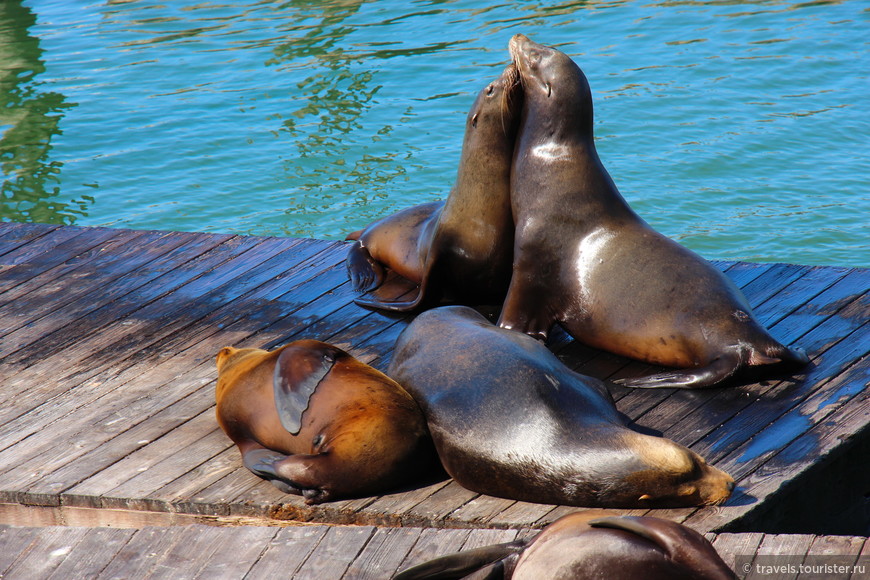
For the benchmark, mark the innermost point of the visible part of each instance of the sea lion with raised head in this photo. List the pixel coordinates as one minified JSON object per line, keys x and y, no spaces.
{"x":316,"y":422}
{"x":509,"y":419}
{"x":460,"y":249}
{"x":584,"y":259}
{"x":586,"y":546}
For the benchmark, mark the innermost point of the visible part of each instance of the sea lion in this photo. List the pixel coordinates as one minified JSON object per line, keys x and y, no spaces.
{"x":461,"y":249}
{"x":585,"y":546}
{"x":316,"y":422}
{"x":584,"y":259}
{"x":509,"y":419}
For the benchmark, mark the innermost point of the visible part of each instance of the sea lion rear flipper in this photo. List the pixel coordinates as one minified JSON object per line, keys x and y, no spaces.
{"x":682,"y":544}
{"x":396,"y":295}
{"x":365,"y":272}
{"x":462,"y":564}
{"x":295,"y":380}
{"x":714,"y":373}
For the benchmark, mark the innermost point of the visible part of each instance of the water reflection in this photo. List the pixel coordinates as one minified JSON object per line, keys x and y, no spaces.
{"x":329,"y":119}
{"x":29,"y":119}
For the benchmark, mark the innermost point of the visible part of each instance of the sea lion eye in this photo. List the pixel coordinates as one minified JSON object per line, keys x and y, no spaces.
{"x":318,"y":440}
{"x":490,"y":89}
{"x":474,"y":120}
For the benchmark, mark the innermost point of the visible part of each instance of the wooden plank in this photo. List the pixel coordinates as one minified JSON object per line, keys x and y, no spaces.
{"x":126,"y":294}
{"x":54,"y":304}
{"x":45,"y":553}
{"x":42,"y":277}
{"x":50,"y":414}
{"x":142,"y":553}
{"x":16,"y":543}
{"x":436,"y":507}
{"x":776,"y":551}
{"x":832,"y":550}
{"x":383,"y":553}
{"x":182,"y":491}
{"x":14,"y":235}
{"x":286,"y":553}
{"x":433,"y":543}
{"x":480,"y":538}
{"x":145,"y":311}
{"x":390,"y":508}
{"x":862,"y":559}
{"x":133,"y":476}
{"x":800,"y":455}
{"x":36,"y":250}
{"x":481,"y":509}
{"x":719,"y":422}
{"x":92,"y":554}
{"x":335,"y":552}
{"x":167,"y":328}
{"x":738,"y":550}
{"x":235,"y":552}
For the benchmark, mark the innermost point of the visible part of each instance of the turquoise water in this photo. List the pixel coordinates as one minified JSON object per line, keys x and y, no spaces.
{"x":741,"y":129}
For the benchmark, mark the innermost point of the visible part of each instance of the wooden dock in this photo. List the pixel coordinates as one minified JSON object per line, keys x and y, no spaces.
{"x":107,"y":344}
{"x":340,"y":552}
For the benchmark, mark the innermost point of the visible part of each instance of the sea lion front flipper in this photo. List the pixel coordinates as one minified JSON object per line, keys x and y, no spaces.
{"x":714,"y":373}
{"x":295,"y":474}
{"x":365,"y":272}
{"x":261,"y":462}
{"x":461,"y":564}
{"x":295,"y":380}
{"x":523,"y":313}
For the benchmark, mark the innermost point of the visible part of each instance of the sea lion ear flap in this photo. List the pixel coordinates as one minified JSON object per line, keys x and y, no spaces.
{"x":297,"y":375}
{"x":461,"y":564}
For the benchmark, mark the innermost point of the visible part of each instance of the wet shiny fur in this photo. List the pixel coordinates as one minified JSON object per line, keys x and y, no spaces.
{"x":315,"y":421}
{"x":584,"y":259}
{"x":509,"y":419}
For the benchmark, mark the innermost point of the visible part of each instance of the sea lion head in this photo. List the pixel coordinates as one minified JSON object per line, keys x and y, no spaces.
{"x":552,"y":80}
{"x":497,"y":108}
{"x":675,"y":476}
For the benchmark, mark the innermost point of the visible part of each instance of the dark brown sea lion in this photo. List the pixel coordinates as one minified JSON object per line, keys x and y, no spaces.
{"x":315,"y":421}
{"x":584,"y":259}
{"x":509,"y":419}
{"x":584,"y":546}
{"x":461,"y":249}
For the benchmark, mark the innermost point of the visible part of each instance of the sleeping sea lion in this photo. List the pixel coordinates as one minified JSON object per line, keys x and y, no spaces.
{"x":584,"y":546}
{"x":584,"y":259}
{"x":314,"y":421}
{"x":509,"y":419}
{"x":460,"y":249}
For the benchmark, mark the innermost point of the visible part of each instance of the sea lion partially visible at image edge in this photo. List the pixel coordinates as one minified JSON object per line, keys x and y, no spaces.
{"x":584,"y":259}
{"x":586,"y":546}
{"x":314,"y":421}
{"x":460,"y":249}
{"x":509,"y":419}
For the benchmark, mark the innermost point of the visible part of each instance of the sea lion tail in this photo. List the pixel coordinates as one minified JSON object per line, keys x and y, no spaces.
{"x":461,"y":564}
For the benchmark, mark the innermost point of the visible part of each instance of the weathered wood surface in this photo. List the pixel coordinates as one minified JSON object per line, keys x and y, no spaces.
{"x":107,"y":344}
{"x":344,"y":552}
